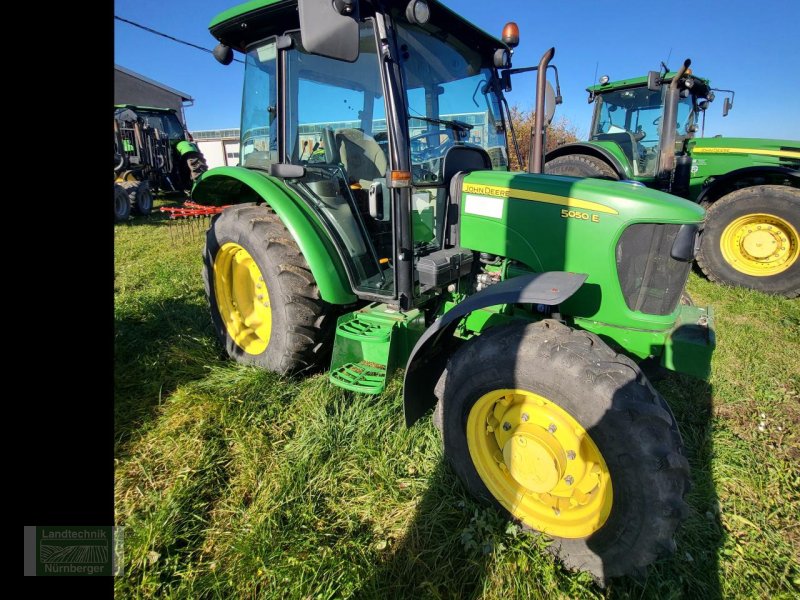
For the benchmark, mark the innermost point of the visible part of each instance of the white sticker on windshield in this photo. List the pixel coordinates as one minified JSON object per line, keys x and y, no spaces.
{"x":485,"y":206}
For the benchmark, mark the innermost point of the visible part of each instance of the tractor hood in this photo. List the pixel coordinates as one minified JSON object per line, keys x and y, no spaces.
{"x":622,"y":201}
{"x":758,"y":150}
{"x":555,"y":223}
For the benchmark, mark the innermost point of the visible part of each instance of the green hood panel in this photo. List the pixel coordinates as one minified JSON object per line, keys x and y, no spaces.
{"x":233,"y":185}
{"x":756,"y":148}
{"x":628,"y":201}
{"x":712,"y":157}
{"x":555,"y":223}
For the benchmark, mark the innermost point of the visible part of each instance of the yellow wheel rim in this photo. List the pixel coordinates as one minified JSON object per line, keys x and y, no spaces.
{"x":539,"y":463}
{"x":242,"y":298}
{"x":760,"y":245}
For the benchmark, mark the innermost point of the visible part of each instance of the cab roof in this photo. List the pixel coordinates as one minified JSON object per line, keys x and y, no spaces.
{"x":246,"y":23}
{"x":621,"y":84}
{"x":140,"y":108}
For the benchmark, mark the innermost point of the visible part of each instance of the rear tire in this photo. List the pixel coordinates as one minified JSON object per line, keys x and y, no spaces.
{"x":253,"y":270}
{"x":580,"y":165}
{"x":609,"y":399}
{"x":732,"y":230}
{"x":122,"y":204}
{"x":141,"y":198}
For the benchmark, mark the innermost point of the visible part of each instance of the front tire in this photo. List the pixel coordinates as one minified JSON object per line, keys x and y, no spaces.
{"x":752,"y":239}
{"x":570,"y":439}
{"x":265,"y":304}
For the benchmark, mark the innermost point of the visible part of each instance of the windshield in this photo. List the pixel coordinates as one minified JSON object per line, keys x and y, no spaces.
{"x":631,"y":118}
{"x":636,"y":111}
{"x":165,"y":122}
{"x":449,"y":101}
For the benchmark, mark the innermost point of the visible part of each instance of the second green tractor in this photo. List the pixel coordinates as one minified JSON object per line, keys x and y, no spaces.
{"x":374,"y":224}
{"x":643,"y":129}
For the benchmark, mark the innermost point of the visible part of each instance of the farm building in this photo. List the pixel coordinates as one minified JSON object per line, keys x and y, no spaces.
{"x":134,"y":88}
{"x":219,"y":146}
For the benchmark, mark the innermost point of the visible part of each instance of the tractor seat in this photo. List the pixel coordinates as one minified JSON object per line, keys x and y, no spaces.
{"x":363,"y":158}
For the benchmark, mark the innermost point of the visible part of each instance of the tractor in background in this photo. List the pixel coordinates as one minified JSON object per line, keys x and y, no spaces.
{"x":643,"y":129}
{"x":152,"y":151}
{"x":373,"y":224}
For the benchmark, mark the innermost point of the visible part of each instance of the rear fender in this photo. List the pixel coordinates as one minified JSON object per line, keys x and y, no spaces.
{"x":236,"y":185}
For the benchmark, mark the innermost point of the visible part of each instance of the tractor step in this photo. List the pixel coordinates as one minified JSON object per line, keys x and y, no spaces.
{"x":370,"y":344}
{"x":364,"y":377}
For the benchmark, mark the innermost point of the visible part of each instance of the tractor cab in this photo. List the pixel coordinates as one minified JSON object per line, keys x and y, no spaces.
{"x":370,"y":132}
{"x":631,"y":113}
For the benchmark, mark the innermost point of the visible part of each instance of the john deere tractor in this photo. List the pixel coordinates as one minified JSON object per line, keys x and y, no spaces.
{"x":152,"y":151}
{"x":519,"y":304}
{"x":643,"y":129}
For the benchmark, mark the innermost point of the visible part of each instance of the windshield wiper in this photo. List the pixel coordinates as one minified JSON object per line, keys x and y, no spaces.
{"x":455,"y":125}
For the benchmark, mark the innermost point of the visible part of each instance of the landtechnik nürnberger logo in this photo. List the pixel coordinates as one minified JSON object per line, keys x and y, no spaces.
{"x":90,"y":550}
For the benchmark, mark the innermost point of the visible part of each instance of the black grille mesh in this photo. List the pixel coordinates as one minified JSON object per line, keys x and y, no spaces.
{"x":651,"y":280}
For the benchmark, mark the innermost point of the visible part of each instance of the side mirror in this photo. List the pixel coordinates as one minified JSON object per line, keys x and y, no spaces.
{"x":223,"y":54}
{"x":727,"y":105}
{"x":653,"y":81}
{"x":330,"y":28}
{"x":549,"y":104}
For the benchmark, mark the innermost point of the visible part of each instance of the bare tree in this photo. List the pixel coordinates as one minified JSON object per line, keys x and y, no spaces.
{"x":559,"y":132}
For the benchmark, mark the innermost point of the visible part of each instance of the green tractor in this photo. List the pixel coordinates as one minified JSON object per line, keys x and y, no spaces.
{"x":643,"y":130}
{"x":519,"y":304}
{"x":152,"y":151}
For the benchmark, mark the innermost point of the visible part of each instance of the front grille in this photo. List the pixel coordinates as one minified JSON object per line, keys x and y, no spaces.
{"x":651,"y":280}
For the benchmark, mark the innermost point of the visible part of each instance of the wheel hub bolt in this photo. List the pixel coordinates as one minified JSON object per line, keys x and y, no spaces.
{"x":569,"y":479}
{"x":571,"y":454}
{"x":552,"y":428}
{"x":506,"y":426}
{"x":524,"y":417}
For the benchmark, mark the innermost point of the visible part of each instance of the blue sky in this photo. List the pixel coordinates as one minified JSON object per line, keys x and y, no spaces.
{"x":750,"y":47}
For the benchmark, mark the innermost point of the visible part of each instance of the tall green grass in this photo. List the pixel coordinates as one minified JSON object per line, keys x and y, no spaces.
{"x":232,"y":482}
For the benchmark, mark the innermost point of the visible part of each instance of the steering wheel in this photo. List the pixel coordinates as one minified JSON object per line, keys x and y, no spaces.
{"x":431,"y":151}
{"x":657,"y":120}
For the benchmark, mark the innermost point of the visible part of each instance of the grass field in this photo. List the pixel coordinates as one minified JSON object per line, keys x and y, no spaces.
{"x":233,"y":482}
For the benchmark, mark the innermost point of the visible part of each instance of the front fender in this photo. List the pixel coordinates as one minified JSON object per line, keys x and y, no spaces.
{"x":427,"y":361}
{"x":185,"y":147}
{"x":235,"y":185}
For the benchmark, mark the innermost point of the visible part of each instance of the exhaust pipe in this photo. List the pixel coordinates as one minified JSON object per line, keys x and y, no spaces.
{"x":536,"y":151}
{"x":666,"y":162}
